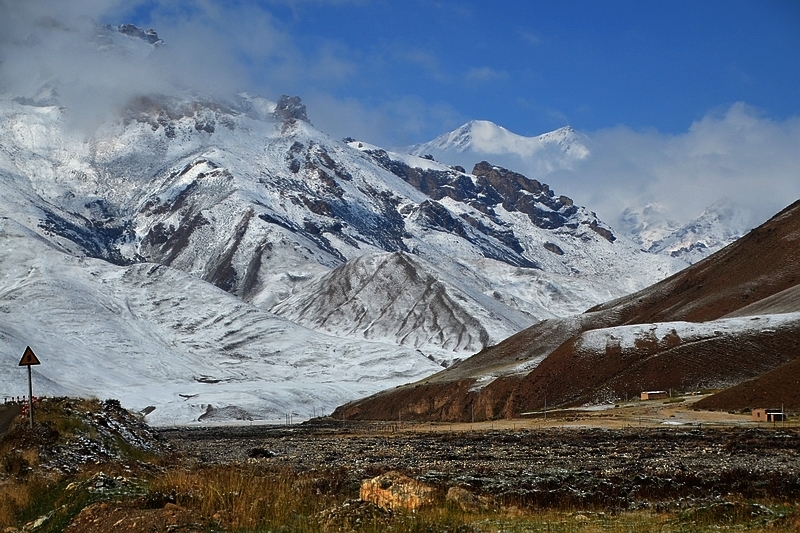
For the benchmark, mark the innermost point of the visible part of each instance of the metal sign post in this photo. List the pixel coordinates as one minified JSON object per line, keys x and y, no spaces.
{"x":29,"y":359}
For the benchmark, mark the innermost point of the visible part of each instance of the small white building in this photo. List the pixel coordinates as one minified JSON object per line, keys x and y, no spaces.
{"x":767,"y":415}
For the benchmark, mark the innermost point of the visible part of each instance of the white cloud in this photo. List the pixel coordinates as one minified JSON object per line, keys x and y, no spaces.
{"x":485,"y":74}
{"x":735,"y":154}
{"x":210,"y":48}
{"x":63,"y":43}
{"x":388,"y":123}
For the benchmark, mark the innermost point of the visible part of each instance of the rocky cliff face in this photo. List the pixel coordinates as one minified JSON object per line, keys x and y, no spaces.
{"x":559,"y":153}
{"x":290,"y":108}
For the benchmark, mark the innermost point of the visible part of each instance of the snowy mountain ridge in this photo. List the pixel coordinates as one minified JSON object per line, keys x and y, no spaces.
{"x":151,"y":335}
{"x":731,"y":320}
{"x":563,"y":149}
{"x":719,"y":225}
{"x":484,"y":140}
{"x":199,"y":235}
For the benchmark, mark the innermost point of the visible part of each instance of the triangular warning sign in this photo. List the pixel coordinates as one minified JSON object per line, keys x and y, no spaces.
{"x":29,"y":358}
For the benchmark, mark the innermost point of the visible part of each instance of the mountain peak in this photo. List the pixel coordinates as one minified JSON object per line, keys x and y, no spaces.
{"x":150,"y":36}
{"x":482,"y":139}
{"x":719,"y":225}
{"x":291,"y":108}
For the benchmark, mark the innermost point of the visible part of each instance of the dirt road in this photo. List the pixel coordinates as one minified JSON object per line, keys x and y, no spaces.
{"x":7,"y":414}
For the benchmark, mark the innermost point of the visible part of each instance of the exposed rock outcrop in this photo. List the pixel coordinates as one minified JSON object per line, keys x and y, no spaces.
{"x":394,"y":490}
{"x":290,"y":108}
{"x":149,"y":36}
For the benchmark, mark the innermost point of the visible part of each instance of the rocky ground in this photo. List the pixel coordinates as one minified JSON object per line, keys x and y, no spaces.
{"x":619,"y":469}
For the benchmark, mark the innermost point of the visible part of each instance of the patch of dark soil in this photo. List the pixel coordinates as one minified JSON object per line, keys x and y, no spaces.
{"x":105,"y":517}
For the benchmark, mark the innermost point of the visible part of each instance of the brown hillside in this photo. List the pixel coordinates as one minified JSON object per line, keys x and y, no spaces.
{"x":571,"y":376}
{"x":764,"y":262}
{"x":779,"y":387}
{"x":759,"y":274}
{"x":786,"y":301}
{"x":529,"y":345}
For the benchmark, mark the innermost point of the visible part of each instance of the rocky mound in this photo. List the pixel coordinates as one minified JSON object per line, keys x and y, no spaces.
{"x":361,"y":298}
{"x":68,"y":434}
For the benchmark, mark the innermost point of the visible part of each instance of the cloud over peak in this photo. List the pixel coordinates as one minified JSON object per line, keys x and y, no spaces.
{"x":93,"y":68}
{"x":735,"y":153}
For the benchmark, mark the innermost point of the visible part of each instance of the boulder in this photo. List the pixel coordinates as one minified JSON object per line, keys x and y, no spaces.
{"x":394,"y":490}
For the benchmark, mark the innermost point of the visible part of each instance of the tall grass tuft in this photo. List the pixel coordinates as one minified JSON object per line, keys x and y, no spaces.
{"x":14,"y":496}
{"x":251,"y":496}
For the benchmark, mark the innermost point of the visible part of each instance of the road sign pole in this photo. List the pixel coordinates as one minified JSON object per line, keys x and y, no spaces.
{"x":30,"y":396}
{"x":29,"y":359}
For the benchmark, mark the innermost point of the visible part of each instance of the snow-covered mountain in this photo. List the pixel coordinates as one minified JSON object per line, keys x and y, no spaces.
{"x":719,"y":225}
{"x":137,"y":225}
{"x":152,"y":335}
{"x":480,"y":140}
{"x":731,"y":320}
{"x":563,"y":150}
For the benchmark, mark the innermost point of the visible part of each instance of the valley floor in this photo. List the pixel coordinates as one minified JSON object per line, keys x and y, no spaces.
{"x":91,"y":467}
{"x":632,"y":457}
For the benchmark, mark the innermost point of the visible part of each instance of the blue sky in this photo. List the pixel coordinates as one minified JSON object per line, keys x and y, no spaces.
{"x":686,"y":103}
{"x":423,"y":67}
{"x":535,"y":66}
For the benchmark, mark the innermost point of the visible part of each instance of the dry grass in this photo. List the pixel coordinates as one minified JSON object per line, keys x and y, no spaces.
{"x":17,"y":491}
{"x":26,"y":490}
{"x":255,"y":498}
{"x":14,"y":497}
{"x":251,"y":497}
